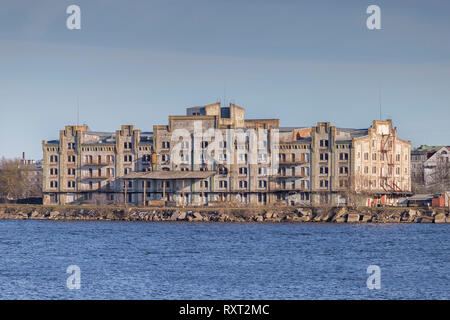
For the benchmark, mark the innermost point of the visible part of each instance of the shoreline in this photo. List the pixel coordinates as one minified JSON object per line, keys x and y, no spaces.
{"x":226,"y":214}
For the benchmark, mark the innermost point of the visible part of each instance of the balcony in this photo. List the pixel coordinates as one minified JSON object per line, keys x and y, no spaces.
{"x":97,"y":177}
{"x":289,"y":188}
{"x":99,"y":163}
{"x":286,"y":176}
{"x":291,"y":162}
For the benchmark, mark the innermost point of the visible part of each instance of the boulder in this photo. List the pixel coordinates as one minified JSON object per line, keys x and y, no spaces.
{"x":304,"y":219}
{"x":197,"y":217}
{"x":269,"y":215}
{"x":322,"y":217}
{"x":259,"y":218}
{"x":425,"y":219}
{"x":303,"y":212}
{"x":174,"y":216}
{"x":440,"y":218}
{"x":182,"y":216}
{"x":366,"y":218}
{"x":341,"y":219}
{"x":352,"y":218}
{"x":393,"y":218}
{"x":341,"y":212}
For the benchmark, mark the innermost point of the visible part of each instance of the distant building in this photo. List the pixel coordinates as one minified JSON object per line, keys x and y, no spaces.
{"x":213,"y":154}
{"x":430,"y":166}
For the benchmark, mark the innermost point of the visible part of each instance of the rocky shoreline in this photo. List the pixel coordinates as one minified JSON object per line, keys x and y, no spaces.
{"x":256,"y":214}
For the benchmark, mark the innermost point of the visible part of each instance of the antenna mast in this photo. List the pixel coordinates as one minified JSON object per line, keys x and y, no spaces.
{"x":379,"y":97}
{"x":78,"y":111}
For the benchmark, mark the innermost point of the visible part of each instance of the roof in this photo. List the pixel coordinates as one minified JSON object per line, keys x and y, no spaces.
{"x":170,"y":175}
{"x":354,"y":132}
{"x":425,"y":148}
{"x":422,"y":197}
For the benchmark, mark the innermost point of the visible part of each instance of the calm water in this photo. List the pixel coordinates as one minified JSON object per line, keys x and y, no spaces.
{"x":125,"y":260}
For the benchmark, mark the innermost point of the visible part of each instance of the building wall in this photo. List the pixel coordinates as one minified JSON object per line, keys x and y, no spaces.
{"x":382,"y":160}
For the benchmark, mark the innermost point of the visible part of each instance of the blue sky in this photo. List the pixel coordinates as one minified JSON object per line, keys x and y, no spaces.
{"x":136,"y":62}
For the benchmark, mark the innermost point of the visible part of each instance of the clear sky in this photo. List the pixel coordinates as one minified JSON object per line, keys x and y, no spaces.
{"x":136,"y":62}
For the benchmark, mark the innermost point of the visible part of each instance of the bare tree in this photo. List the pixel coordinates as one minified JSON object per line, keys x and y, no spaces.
{"x":12,"y":179}
{"x":418,"y":180}
{"x":355,"y":193}
{"x":440,"y":175}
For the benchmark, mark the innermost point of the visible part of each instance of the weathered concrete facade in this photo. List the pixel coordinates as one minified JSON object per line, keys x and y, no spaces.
{"x":214,"y":155}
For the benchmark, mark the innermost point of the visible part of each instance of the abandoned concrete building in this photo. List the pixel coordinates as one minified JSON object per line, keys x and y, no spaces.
{"x":213,"y":155}
{"x":430,"y":167}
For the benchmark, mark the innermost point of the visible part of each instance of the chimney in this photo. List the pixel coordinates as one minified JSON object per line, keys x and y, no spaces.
{"x":23,"y":155}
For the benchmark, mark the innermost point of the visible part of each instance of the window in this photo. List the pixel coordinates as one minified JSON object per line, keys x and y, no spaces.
{"x":374,"y":156}
{"x":262,"y":183}
{"x":262,"y":171}
{"x":243,"y":157}
{"x":366,"y":169}
{"x":222,"y":156}
{"x":343,"y":170}
{"x":53,"y":184}
{"x":323,"y":170}
{"x":243,"y":171}
{"x":204,"y":144}
{"x":53,"y":158}
{"x":223,"y":170}
{"x":165,"y":158}
{"x":324,"y":156}
{"x":366,"y":156}
{"x":127,"y":158}
{"x":242,"y":184}
{"x":374,"y":170}
{"x":109,"y":172}
{"x":71,"y":145}
{"x":323,"y":143}
{"x":184,"y":145}
{"x":343,"y":156}
{"x":71,"y":171}
{"x":53,"y":171}
{"x":127,"y":170}
{"x":262,"y":157}
{"x":71,"y":184}
{"x":223,"y":184}
{"x":184,"y":158}
{"x":127,"y":145}
{"x":397,"y":157}
{"x":343,"y":183}
{"x":324,"y":183}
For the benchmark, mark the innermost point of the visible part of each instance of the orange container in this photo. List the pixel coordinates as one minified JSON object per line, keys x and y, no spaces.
{"x":437,"y":202}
